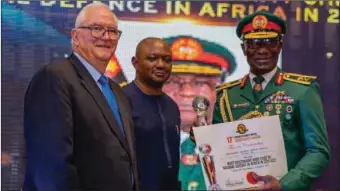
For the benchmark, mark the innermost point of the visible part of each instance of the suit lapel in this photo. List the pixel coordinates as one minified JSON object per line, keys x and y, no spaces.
{"x":124,"y":113}
{"x":248,"y":91}
{"x":91,"y":86}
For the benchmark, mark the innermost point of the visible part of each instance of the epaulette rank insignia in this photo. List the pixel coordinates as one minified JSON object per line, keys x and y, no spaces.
{"x":228,"y":85}
{"x":298,"y":78}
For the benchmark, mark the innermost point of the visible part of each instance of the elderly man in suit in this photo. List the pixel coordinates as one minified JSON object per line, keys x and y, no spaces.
{"x":77,"y":122}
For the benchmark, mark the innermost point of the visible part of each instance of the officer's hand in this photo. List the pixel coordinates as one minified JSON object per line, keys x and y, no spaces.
{"x":269,"y":183}
{"x":191,"y":132}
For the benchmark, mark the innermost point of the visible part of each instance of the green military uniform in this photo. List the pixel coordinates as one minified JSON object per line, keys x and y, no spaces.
{"x":199,"y":57}
{"x":294,"y":97}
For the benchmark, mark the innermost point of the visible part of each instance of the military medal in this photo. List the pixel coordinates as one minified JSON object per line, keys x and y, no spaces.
{"x":289,"y":109}
{"x":266,"y":113}
{"x":279,"y":97}
{"x":257,"y":107}
{"x":278,"y":108}
{"x":269,"y":107}
{"x":288,"y":116}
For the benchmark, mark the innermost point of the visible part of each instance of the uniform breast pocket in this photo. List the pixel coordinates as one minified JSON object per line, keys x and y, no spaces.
{"x":239,"y":112}
{"x":289,"y":118}
{"x":287,"y":123}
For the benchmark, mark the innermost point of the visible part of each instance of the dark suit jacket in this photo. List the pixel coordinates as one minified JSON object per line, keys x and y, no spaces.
{"x":72,"y":138}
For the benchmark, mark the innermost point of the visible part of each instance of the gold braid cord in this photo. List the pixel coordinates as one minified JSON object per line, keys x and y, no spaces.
{"x":225,"y":98}
{"x":250,"y":115}
{"x":223,"y":114}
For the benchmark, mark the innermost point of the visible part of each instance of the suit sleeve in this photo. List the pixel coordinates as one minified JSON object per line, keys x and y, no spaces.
{"x":314,"y":133}
{"x":48,"y":130}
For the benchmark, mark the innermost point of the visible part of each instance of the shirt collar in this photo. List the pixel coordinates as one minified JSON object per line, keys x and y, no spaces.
{"x":267,"y":76}
{"x":94,"y":73}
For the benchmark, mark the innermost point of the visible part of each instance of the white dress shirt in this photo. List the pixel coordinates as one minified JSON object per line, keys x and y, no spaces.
{"x":267,"y":77}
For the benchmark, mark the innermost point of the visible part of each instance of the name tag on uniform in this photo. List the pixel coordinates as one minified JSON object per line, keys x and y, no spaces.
{"x":240,"y":105}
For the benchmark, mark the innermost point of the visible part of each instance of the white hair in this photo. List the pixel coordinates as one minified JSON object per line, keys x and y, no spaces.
{"x":81,"y":15}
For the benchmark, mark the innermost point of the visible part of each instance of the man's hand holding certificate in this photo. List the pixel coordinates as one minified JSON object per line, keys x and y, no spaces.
{"x":230,"y":153}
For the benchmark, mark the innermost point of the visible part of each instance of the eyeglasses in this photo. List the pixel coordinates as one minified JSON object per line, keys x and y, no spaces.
{"x":99,"y":32}
{"x":264,"y":42}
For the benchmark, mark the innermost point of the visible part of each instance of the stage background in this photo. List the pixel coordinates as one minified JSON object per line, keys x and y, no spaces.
{"x":34,"y":33}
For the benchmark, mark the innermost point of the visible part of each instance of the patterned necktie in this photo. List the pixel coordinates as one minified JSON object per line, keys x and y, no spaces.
{"x":111,"y":99}
{"x":257,"y":87}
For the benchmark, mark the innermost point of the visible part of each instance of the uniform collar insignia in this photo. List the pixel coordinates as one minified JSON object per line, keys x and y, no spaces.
{"x":279,"y":78}
{"x":244,"y":81}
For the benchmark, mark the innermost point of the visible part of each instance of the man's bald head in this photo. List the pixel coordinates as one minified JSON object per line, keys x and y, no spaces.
{"x":152,"y":62}
{"x":90,"y":9}
{"x":146,"y":44}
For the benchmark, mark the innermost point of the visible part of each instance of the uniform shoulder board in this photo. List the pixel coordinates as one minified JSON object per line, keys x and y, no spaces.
{"x":228,"y":85}
{"x":299,"y":78}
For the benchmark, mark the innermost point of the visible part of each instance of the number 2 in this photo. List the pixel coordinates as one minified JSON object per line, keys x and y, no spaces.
{"x":333,"y":16}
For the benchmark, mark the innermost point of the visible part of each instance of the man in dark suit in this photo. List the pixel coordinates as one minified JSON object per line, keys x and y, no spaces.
{"x":77,"y":122}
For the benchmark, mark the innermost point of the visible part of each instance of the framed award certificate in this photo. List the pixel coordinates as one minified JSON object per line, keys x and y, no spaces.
{"x":230,"y":152}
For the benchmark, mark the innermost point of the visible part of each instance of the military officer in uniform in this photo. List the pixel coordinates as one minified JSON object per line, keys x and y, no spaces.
{"x":267,"y":91}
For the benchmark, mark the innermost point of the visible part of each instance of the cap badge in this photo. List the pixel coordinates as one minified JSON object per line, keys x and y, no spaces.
{"x":260,"y":22}
{"x":186,"y":49}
